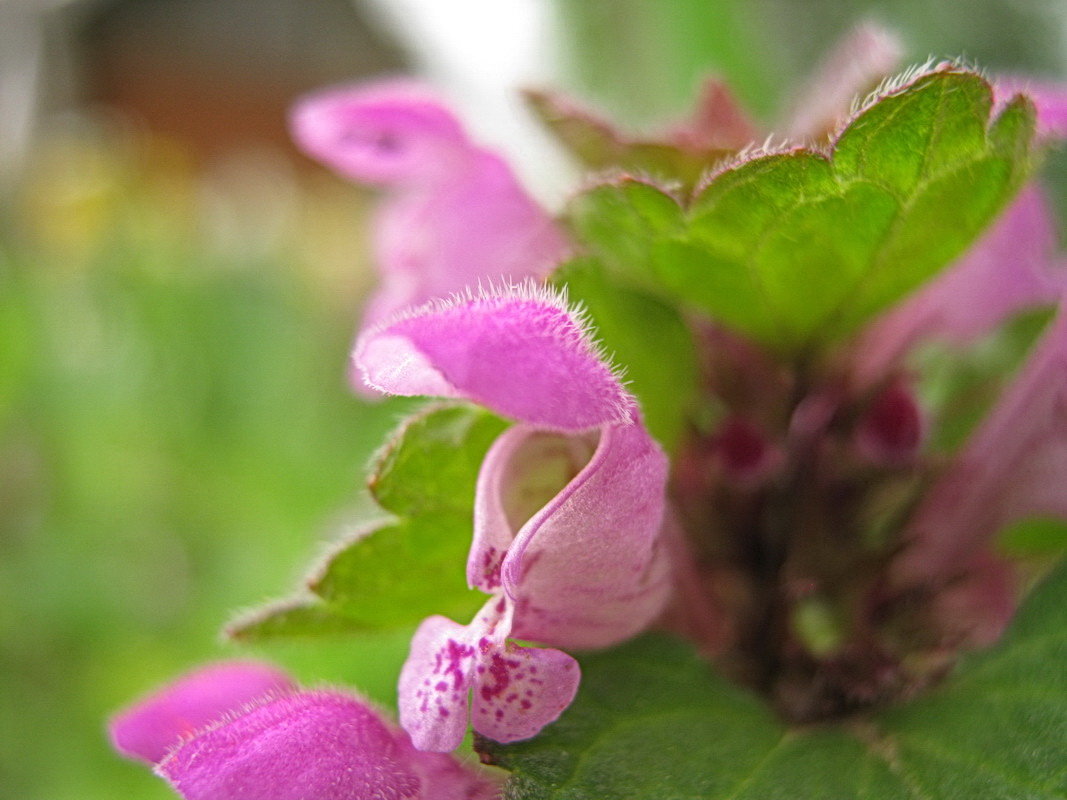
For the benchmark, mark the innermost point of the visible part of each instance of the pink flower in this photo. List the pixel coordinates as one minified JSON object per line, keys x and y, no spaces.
{"x":243,"y":731}
{"x":455,"y":215}
{"x":1012,"y":467}
{"x":569,"y":507}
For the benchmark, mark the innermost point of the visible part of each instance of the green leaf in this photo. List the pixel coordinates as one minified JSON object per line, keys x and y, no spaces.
{"x":653,"y":721}
{"x":431,"y":464}
{"x":645,"y":336}
{"x":305,"y":616}
{"x":799,"y":248}
{"x":396,"y":572}
{"x":400,"y":572}
{"x":1034,"y":537}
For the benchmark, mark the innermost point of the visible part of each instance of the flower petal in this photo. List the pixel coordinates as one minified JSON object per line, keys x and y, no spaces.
{"x":322,"y":745}
{"x":519,"y":351}
{"x":457,"y":215}
{"x":149,"y":728}
{"x":521,"y":690}
{"x":521,"y":473}
{"x":473,"y":225}
{"x":380,"y":133}
{"x":435,"y":683}
{"x":1014,"y":466}
{"x":855,"y":65}
{"x":1008,"y":270}
{"x":516,"y":690}
{"x":588,"y":570}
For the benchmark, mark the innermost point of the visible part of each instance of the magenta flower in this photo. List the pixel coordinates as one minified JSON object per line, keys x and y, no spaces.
{"x":569,"y":506}
{"x":455,"y":215}
{"x":237,"y":731}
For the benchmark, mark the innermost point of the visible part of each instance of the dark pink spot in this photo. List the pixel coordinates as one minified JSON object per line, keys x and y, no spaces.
{"x":456,"y":653}
{"x":441,"y":686}
{"x":498,"y":671}
{"x":526,"y":704}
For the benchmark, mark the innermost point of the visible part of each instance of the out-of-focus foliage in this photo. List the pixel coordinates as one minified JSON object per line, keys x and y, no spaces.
{"x":176,"y":437}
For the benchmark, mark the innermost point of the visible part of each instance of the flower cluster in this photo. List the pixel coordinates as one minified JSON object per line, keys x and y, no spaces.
{"x":806,"y":533}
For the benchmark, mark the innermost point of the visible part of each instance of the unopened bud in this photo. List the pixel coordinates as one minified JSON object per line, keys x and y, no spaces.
{"x":891,"y":430}
{"x":746,"y":454}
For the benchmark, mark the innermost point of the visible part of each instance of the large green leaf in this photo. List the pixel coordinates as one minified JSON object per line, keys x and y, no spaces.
{"x":647,"y":338}
{"x":396,"y":572}
{"x":799,"y":248}
{"x":653,"y":721}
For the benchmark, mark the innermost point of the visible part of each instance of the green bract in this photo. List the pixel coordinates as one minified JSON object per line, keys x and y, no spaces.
{"x":797,"y":249}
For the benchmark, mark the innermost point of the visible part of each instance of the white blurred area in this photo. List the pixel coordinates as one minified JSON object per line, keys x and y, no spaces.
{"x":59,"y":56}
{"x":480,"y":54}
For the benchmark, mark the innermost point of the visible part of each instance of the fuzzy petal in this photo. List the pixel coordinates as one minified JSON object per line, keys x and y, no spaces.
{"x":1050,"y":100}
{"x":322,"y":745}
{"x":521,"y":690}
{"x":435,"y":683}
{"x":1009,"y":269}
{"x":149,"y":728}
{"x":868,"y":54}
{"x":516,"y":690}
{"x":1014,"y":466}
{"x":520,"y":351}
{"x":382,"y":133}
{"x":587,"y":569}
{"x":475,"y":225}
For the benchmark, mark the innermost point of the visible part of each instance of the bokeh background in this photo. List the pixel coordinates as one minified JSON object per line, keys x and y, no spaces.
{"x":178,"y":289}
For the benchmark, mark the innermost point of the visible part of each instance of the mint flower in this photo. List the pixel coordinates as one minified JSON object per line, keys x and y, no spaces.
{"x":776,"y":481}
{"x":569,"y":506}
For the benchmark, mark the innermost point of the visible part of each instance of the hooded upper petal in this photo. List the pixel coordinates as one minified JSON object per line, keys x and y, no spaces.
{"x":324,"y":745}
{"x":389,"y":133}
{"x":1014,"y":466}
{"x":456,"y":214}
{"x":150,"y":727}
{"x":585,"y":568}
{"x":520,"y":351}
{"x":1011,"y":268}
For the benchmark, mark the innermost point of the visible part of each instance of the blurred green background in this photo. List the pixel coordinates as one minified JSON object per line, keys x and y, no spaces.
{"x":177,"y":440}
